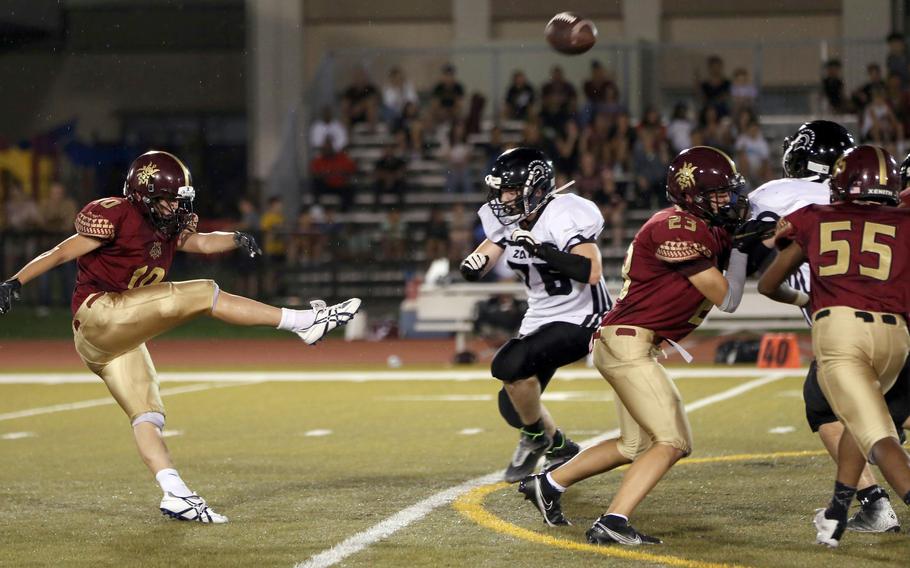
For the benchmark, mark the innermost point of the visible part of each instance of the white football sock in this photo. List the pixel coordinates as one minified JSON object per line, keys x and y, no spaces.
{"x":295,"y":320}
{"x":555,"y":485}
{"x":170,"y":481}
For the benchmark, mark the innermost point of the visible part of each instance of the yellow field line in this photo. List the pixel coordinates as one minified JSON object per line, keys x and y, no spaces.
{"x":471,"y":506}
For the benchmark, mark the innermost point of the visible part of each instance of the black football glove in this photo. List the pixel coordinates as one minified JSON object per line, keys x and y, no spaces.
{"x":246,"y":242}
{"x":9,"y":291}
{"x":472,"y":266}
{"x":751,"y":233}
{"x":525,"y":240}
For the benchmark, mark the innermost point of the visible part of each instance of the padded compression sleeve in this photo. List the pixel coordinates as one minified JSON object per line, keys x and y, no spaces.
{"x":575,"y":266}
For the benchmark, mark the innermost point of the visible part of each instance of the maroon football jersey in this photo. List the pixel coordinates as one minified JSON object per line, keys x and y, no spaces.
{"x":133,"y":254}
{"x":859,"y":254}
{"x":656,"y":292}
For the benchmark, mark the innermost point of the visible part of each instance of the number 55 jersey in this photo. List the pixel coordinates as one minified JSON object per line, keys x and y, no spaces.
{"x":565,"y":222}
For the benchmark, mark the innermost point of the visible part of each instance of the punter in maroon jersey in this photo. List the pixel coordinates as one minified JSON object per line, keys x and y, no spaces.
{"x":672,"y":276}
{"x":123,"y":247}
{"x":858,"y":250}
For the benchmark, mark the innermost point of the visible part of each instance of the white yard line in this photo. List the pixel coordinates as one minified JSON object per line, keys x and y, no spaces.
{"x":414,"y":513}
{"x":109,"y":400}
{"x":371,"y":376}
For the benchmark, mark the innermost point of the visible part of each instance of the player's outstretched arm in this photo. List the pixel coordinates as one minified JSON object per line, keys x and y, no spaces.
{"x":218,"y":241}
{"x":773,"y":282}
{"x":68,"y":250}
{"x":479,"y":262}
{"x":581,"y":264}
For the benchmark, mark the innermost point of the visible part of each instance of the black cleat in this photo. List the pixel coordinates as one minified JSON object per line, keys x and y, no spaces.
{"x":610,"y":529}
{"x":537,"y":490}
{"x":529,"y":451}
{"x":556,"y":456}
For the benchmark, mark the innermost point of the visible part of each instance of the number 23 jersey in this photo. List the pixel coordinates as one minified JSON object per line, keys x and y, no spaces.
{"x":133,"y":253}
{"x":566,"y":221}
{"x":656,"y":294}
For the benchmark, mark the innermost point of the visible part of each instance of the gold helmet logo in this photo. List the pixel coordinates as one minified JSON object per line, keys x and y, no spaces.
{"x":685,"y":176}
{"x":145,"y":173}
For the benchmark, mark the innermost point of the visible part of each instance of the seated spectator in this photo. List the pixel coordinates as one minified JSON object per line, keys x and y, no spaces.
{"x":565,"y":149}
{"x":896,"y":62}
{"x":22,"y":218}
{"x":743,"y":93}
{"x":612,"y":206}
{"x":716,"y":131}
{"x":651,"y":120}
{"x":447,"y":96}
{"x":332,"y":230}
{"x":595,"y":138}
{"x":753,"y":156}
{"x":649,"y":164}
{"x":595,"y":89}
{"x":57,"y":213}
{"x":456,"y":155}
{"x":715,"y":90}
{"x":560,"y":90}
{"x":878,"y":124}
{"x":396,"y":93}
{"x":333,"y":172}
{"x":393,"y":232}
{"x":327,"y":127}
{"x":389,"y":175}
{"x":247,"y":269}
{"x":493,"y":148}
{"x":410,"y":131}
{"x":863,"y":95}
{"x":679,"y":131}
{"x":360,"y":101}
{"x":475,"y":114}
{"x":622,"y":141}
{"x":532,"y":138}
{"x":520,"y":97}
{"x":899,"y":101}
{"x":461,"y":225}
{"x":306,"y":242}
{"x":437,"y":236}
{"x":833,"y":87}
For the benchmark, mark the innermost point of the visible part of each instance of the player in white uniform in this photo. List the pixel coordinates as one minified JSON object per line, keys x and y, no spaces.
{"x":808,"y":160}
{"x":550,"y":241}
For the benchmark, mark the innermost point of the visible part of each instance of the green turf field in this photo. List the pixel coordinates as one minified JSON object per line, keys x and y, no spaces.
{"x":73,"y":492}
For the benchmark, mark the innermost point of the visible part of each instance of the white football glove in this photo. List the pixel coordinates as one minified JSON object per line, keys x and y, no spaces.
{"x":525,"y":240}
{"x":472,"y":266}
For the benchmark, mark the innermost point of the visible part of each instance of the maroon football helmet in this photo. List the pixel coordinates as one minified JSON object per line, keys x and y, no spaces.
{"x":866,"y":173}
{"x":694,"y":178}
{"x":158,"y":175}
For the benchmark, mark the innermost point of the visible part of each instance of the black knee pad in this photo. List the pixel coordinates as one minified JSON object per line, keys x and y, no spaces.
{"x":818,"y":411}
{"x":508,"y":411}
{"x":511,"y":362}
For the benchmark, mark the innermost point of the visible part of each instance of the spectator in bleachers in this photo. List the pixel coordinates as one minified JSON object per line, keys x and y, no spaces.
{"x":396,"y":93}
{"x":410,"y":131}
{"x":743,"y":92}
{"x":472,"y":123}
{"x":493,"y":148}
{"x":896,"y":62}
{"x":328,"y":127}
{"x":899,"y":101}
{"x":360,"y":101}
{"x":460,"y":228}
{"x":22,"y":218}
{"x":456,"y":155}
{"x":531,"y":137}
{"x":332,"y":230}
{"x":716,"y":131}
{"x":612,"y":207}
{"x":520,"y":97}
{"x":57,"y":212}
{"x":565,"y":149}
{"x":447,"y":97}
{"x":392,"y":234}
{"x":622,"y":142}
{"x":595,"y":89}
{"x":595,"y":138}
{"x":878,"y":124}
{"x":247,"y":269}
{"x":715,"y":90}
{"x":679,"y":131}
{"x":389,"y":175}
{"x":649,"y":165}
{"x":437,"y":236}
{"x":333,"y":172}
{"x":863,"y":95}
{"x":306,"y":242}
{"x":753,"y":155}
{"x":560,"y":92}
{"x":274,"y":243}
{"x":651,"y":120}
{"x":833,"y":87}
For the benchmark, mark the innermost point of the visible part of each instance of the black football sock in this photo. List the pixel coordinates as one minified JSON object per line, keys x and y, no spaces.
{"x":533,"y":431}
{"x":614,"y":520}
{"x":870,"y":495}
{"x":559,"y":440}
{"x":907,"y":498}
{"x":840,"y":501}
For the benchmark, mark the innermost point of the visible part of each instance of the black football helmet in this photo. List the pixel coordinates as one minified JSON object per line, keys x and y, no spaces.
{"x":814,"y":148}
{"x":527,"y":170}
{"x":158,"y":175}
{"x":905,"y":172}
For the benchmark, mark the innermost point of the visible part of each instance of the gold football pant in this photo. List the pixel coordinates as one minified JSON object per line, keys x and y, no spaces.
{"x":859,"y":356}
{"x":649,"y":405}
{"x":110,"y":330}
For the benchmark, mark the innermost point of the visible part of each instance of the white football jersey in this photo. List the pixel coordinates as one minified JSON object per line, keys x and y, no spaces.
{"x":778,"y":198}
{"x":566,"y":221}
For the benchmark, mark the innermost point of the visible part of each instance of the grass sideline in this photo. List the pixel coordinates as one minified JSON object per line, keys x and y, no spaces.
{"x":73,"y":492}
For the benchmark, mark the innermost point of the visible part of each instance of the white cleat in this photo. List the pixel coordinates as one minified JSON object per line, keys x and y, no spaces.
{"x":192,"y":508}
{"x":876,"y":517}
{"x":328,"y":318}
{"x":829,"y":530}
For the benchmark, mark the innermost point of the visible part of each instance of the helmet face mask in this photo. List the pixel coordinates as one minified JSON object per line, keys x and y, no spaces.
{"x":161,"y":186}
{"x":526,"y":178}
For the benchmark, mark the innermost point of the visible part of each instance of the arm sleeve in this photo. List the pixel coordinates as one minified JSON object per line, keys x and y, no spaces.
{"x":100,"y":219}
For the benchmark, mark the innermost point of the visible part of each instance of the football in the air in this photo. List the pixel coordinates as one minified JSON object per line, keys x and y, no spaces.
{"x":571,"y":34}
